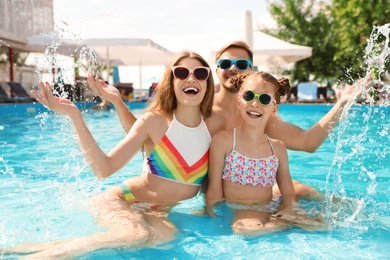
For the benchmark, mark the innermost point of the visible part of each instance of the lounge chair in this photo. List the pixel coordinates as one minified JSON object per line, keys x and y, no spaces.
{"x":20,"y":92}
{"x":307,"y":92}
{"x":292,"y":95}
{"x":5,"y":98}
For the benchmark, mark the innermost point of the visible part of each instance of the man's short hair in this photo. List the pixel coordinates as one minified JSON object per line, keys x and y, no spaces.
{"x":236,"y":44}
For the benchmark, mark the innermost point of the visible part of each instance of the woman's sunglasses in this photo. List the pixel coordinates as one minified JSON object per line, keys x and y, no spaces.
{"x":264,"y":98}
{"x":182,"y":73}
{"x":226,"y":64}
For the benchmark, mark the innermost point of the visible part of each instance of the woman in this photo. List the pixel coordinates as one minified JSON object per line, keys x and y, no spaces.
{"x":176,"y":141}
{"x":245,"y":163}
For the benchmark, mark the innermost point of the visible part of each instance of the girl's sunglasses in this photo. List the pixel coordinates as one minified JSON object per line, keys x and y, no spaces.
{"x":226,"y":64}
{"x":182,"y":73}
{"x":264,"y":98}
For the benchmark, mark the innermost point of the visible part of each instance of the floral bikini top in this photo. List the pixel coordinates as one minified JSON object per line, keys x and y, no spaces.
{"x":240,"y":169}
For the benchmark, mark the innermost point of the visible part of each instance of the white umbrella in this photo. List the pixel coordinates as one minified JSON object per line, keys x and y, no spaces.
{"x":267,"y":50}
{"x":270,"y":51}
{"x":55,"y":43}
{"x":113,"y":39}
{"x":64,"y":43}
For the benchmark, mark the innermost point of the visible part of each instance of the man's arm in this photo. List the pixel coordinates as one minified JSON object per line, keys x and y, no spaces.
{"x":297,"y":138}
{"x":309,"y":140}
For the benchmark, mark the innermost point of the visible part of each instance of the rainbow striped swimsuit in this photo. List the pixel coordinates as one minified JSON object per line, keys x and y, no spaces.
{"x":182,"y":154}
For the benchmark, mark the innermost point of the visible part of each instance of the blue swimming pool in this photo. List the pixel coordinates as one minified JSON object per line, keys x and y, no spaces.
{"x":45,"y":184}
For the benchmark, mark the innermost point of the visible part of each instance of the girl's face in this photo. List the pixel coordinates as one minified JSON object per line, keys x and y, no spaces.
{"x":190,"y":81}
{"x":256,"y":101}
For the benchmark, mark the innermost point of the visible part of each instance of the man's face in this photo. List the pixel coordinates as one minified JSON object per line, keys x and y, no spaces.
{"x":224,"y":75}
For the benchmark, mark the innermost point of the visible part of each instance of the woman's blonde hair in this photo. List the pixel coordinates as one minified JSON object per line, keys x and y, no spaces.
{"x":164,"y":98}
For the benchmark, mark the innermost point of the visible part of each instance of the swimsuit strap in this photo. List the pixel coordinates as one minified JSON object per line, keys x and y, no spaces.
{"x":270,"y":144}
{"x":129,"y":197}
{"x":234,"y":138}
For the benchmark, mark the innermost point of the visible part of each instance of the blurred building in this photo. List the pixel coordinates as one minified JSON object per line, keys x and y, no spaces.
{"x":20,"y":19}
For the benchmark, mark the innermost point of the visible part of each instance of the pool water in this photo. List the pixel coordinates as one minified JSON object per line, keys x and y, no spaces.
{"x":45,"y":184}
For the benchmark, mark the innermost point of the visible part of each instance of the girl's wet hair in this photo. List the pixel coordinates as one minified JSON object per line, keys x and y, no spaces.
{"x":281,"y":85}
{"x":164,"y":98}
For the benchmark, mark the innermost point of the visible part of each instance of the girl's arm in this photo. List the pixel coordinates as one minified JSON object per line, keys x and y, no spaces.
{"x":283,"y":177}
{"x":217,"y":155}
{"x":102,"y":165}
{"x":292,"y":213}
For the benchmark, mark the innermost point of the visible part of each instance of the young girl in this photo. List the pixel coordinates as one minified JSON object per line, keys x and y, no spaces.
{"x":245,"y":163}
{"x":176,"y":140}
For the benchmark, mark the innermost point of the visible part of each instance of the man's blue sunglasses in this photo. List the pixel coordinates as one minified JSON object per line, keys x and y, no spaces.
{"x":241,"y":64}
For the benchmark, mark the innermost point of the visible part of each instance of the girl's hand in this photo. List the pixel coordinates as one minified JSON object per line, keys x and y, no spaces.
{"x":56,"y":104}
{"x":209,"y":211}
{"x":300,"y":219}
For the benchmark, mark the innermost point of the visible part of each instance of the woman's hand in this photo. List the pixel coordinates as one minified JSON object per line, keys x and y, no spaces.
{"x":102,"y":89}
{"x":56,"y":104}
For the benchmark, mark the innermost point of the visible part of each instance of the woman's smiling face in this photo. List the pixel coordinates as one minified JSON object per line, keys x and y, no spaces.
{"x":189,"y":91}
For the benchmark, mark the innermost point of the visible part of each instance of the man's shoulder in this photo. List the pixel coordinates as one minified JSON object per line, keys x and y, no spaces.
{"x":216,"y":121}
{"x":217,"y":109}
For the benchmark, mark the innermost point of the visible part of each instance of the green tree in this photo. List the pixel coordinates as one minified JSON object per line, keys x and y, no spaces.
{"x":337,"y":31}
{"x":306,"y":23}
{"x":354,"y":20}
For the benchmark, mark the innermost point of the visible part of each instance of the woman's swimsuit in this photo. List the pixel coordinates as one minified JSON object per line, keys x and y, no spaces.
{"x":181,"y":156}
{"x":259,"y":172}
{"x":129,"y":197}
{"x":240,"y":169}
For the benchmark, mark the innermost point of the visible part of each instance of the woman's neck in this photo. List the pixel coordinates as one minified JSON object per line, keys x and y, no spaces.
{"x":189,"y":116}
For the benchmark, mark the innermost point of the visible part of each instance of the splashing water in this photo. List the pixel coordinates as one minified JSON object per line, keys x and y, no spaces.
{"x":358,"y":144}
{"x":64,"y":41}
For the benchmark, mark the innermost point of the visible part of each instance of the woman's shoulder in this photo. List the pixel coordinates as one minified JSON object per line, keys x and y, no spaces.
{"x":155,"y":117}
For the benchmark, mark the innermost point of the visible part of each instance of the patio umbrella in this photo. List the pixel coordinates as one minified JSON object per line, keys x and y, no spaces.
{"x":270,"y":51}
{"x":113,"y":40}
{"x":12,"y":46}
{"x":64,"y":43}
{"x":55,"y":42}
{"x":267,"y":50}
